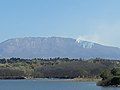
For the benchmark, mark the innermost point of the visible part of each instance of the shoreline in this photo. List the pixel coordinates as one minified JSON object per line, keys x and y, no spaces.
{"x":58,"y":79}
{"x":87,"y":79}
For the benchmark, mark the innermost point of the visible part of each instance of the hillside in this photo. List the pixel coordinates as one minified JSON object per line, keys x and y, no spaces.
{"x":50,"y":47}
{"x":55,"y":68}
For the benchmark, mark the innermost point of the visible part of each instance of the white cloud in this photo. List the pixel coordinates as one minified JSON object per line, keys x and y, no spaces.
{"x":108,"y":33}
{"x":103,"y":33}
{"x":90,"y":38}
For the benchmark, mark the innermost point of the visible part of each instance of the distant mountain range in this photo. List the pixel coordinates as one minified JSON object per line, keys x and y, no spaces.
{"x":49,"y":47}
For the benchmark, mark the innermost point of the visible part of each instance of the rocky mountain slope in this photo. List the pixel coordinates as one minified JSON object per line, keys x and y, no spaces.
{"x":46,"y":47}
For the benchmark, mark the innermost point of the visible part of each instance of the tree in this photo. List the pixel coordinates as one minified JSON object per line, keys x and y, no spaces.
{"x":105,"y":74}
{"x":115,"y":71}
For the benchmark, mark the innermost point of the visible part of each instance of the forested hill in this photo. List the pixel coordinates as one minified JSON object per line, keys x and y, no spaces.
{"x":55,"y":67}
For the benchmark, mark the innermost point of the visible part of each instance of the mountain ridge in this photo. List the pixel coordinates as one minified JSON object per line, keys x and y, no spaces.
{"x":47,"y":47}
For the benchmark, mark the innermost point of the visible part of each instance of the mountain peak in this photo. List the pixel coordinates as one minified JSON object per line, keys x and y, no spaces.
{"x":85,"y":44}
{"x":46,"y":47}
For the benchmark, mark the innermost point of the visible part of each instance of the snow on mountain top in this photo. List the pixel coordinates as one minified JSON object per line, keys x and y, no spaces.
{"x":85,"y":44}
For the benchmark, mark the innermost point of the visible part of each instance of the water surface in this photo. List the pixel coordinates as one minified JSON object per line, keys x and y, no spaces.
{"x":50,"y":85}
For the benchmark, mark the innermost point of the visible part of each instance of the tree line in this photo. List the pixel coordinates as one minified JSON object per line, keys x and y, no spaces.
{"x":55,"y":67}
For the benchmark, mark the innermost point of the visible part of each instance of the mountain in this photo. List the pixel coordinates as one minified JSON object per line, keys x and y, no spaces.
{"x":46,"y":47}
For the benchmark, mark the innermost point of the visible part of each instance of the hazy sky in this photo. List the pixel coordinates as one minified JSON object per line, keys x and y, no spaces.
{"x":92,"y":20}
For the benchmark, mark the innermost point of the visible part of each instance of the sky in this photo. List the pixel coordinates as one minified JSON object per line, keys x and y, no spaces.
{"x":92,"y":20}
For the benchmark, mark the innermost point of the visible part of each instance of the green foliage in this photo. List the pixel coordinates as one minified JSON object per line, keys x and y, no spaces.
{"x":57,"y":67}
{"x":105,"y":74}
{"x":115,"y":71}
{"x":115,"y":80}
{"x":110,"y":78}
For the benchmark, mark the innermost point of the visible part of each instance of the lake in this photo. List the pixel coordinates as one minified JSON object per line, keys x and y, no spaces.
{"x":50,"y":85}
